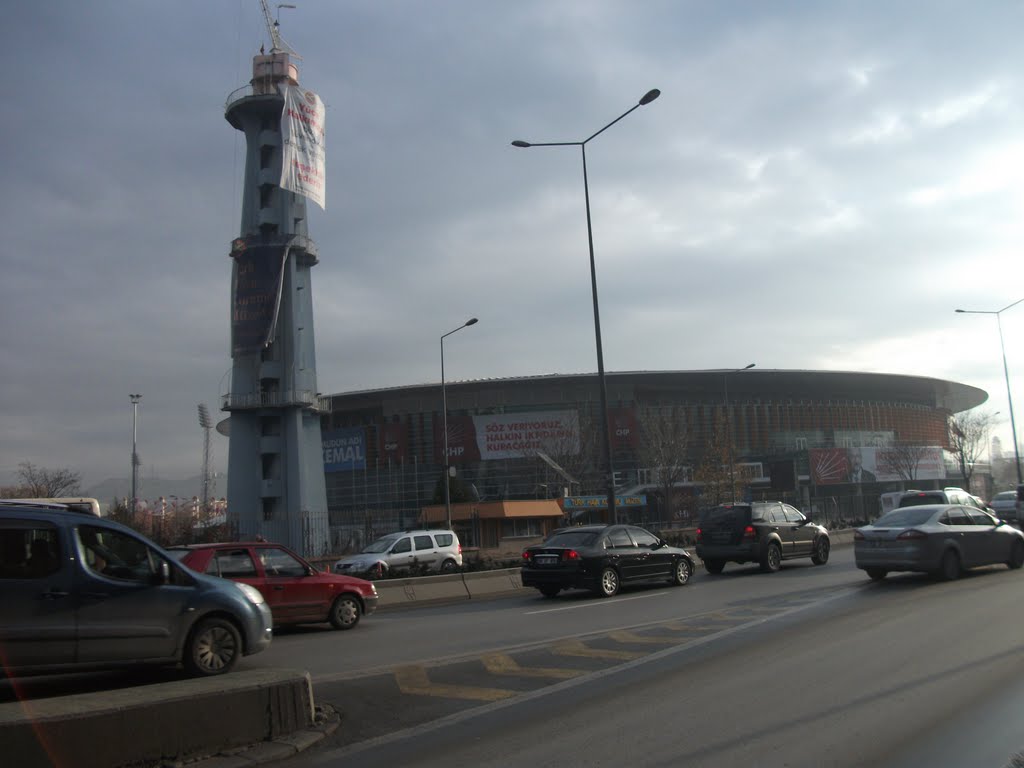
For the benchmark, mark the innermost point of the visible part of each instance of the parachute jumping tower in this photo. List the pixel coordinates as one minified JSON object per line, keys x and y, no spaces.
{"x":276,"y":483}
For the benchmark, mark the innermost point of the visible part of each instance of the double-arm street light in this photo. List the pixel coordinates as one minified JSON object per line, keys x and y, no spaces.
{"x":728,"y":430}
{"x":1006,"y":372}
{"x":444,"y":417}
{"x":606,"y":439}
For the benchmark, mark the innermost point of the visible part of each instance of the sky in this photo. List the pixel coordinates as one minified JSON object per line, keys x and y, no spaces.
{"x":819,"y":186}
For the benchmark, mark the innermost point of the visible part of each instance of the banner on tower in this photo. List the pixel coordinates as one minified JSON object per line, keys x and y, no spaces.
{"x":255,"y":295}
{"x":303,"y":161}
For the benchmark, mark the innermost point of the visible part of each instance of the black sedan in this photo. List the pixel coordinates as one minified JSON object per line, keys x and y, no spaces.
{"x":941,"y":539}
{"x":601,"y":558}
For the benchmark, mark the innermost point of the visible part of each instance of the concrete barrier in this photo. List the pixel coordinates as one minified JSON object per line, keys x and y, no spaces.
{"x":493,"y":583}
{"x":152,"y":724}
{"x":422,"y":589}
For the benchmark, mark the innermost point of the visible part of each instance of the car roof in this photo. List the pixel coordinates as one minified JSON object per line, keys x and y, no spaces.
{"x":226,"y":545}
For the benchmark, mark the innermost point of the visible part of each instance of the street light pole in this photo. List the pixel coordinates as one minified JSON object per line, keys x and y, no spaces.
{"x":603,"y":387}
{"x":135,"y":456}
{"x":728,"y":430}
{"x":444,"y":417}
{"x":1006,"y":373}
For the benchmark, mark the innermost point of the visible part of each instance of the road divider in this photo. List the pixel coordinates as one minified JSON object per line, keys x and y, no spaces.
{"x":152,"y":724}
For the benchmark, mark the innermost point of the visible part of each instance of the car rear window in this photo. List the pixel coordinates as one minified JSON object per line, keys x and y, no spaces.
{"x":923,"y":498}
{"x":902,"y":518}
{"x":726,"y":516}
{"x":571,"y":539}
{"x":443,"y":539}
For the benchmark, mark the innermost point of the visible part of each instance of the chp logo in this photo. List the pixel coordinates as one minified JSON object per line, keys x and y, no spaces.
{"x":309,"y":97}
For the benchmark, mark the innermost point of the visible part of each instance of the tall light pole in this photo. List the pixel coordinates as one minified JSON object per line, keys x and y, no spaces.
{"x":135,"y":455}
{"x":444,"y":417}
{"x":606,"y":438}
{"x":728,"y":429}
{"x":1006,"y":372}
{"x":207,"y":424}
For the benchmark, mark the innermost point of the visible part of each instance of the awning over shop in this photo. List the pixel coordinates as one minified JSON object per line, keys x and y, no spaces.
{"x":493,"y":510}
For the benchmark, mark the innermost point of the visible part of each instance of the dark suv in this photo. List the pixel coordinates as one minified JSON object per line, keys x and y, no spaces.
{"x":765,"y":532}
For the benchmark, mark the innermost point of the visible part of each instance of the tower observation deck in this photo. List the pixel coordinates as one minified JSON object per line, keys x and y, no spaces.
{"x":276,"y":483}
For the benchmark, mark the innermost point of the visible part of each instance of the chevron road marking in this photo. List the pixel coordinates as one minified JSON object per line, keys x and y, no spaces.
{"x":500,"y":664}
{"x":633,"y":637}
{"x":579,"y":648}
{"x":414,"y":680}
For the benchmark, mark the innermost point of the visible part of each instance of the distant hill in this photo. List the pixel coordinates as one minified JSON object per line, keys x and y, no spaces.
{"x":153,"y":488}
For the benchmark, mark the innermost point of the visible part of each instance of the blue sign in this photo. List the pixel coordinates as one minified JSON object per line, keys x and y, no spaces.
{"x":344,"y":449}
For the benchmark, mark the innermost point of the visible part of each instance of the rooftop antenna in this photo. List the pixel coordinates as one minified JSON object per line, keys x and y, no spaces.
{"x":277,"y":45}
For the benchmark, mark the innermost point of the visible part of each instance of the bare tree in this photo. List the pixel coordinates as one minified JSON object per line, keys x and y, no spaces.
{"x":714,"y":472}
{"x":968,"y":438}
{"x":664,"y":447}
{"x":36,"y":482}
{"x":905,"y":459}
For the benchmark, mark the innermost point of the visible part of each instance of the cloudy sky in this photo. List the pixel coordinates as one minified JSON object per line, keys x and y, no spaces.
{"x":819,"y":186}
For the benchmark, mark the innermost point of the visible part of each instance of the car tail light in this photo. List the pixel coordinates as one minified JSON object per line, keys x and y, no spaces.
{"x":749,"y":532}
{"x":570,"y":554}
{"x":912,"y":534}
{"x":526,"y":556}
{"x":700,"y":534}
{"x":460,"y":548}
{"x":858,"y":536}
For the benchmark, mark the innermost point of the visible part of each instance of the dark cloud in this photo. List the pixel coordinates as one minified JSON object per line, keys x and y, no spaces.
{"x":820,"y":185}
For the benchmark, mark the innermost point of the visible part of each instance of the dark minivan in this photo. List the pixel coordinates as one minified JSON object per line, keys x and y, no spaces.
{"x":78,"y":591}
{"x":764,"y":532}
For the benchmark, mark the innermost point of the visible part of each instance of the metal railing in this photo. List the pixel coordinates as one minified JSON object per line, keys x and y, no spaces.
{"x":239,"y":401}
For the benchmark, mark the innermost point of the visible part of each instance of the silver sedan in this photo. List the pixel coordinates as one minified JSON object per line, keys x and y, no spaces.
{"x":941,"y":539}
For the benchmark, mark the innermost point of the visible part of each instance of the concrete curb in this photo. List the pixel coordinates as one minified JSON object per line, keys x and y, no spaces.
{"x":195,"y":717}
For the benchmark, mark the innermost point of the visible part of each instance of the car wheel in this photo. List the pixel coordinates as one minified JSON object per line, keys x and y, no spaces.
{"x":609,"y":582}
{"x":877,"y":574}
{"x":821,"y":550}
{"x":214,"y":647}
{"x":449,"y":566}
{"x":681,"y":572}
{"x":714,"y":566}
{"x":345,"y":612}
{"x":949,"y":567}
{"x":549,"y":591}
{"x":771,"y":560}
{"x":1016,"y":555}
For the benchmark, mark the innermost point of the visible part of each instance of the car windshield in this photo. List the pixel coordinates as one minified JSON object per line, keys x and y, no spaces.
{"x":571,"y":539}
{"x":903,"y":518}
{"x":1005,"y":496}
{"x":380,"y":545}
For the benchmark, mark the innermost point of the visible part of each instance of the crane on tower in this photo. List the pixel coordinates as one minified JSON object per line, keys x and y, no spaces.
{"x":277,"y":45}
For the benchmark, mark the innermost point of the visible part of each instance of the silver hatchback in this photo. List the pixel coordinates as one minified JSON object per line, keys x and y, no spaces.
{"x":941,"y":539}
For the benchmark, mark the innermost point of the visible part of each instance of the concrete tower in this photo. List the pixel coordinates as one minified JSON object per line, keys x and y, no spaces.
{"x":276,"y":483}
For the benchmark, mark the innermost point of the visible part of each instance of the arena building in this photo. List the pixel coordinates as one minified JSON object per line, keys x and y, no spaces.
{"x":831,"y":442}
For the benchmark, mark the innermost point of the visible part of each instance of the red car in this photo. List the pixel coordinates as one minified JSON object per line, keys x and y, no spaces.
{"x":296,"y":592}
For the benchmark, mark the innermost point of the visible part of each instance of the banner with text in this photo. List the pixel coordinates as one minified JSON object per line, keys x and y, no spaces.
{"x":255,"y":295}
{"x":831,"y":466}
{"x":344,"y":449}
{"x":515,"y":435}
{"x":303,"y":152}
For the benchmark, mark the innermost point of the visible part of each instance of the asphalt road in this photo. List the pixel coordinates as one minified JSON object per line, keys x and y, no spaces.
{"x":807,"y":667}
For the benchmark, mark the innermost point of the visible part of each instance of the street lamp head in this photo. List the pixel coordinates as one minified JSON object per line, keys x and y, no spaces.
{"x":521,"y":143}
{"x":471,"y":321}
{"x":958,"y":310}
{"x":650,"y":96}
{"x":748,"y":367}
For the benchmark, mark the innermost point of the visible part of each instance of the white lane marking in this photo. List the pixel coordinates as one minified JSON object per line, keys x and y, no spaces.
{"x":594,"y":604}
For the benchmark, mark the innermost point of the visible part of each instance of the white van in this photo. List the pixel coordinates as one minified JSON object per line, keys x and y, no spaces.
{"x":438,"y":551}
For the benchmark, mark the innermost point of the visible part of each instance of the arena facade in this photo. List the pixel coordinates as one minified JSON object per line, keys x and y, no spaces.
{"x":796,"y":435}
